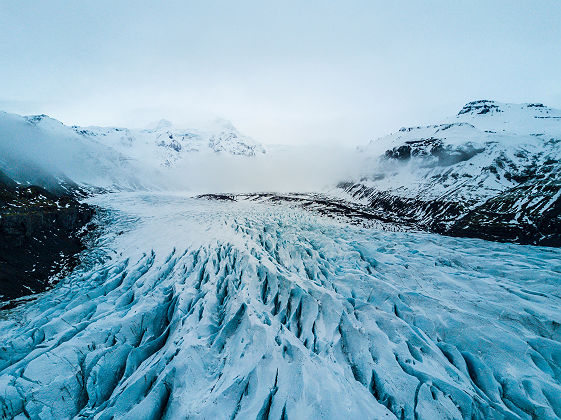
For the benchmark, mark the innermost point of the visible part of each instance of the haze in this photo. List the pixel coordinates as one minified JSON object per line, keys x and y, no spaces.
{"x":283,"y":72}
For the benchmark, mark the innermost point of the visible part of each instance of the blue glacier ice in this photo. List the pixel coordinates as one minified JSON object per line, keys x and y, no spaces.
{"x":189,"y":308}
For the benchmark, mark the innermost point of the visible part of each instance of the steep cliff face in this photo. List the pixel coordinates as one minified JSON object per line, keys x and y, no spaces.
{"x":39,"y":237}
{"x":493,"y":172}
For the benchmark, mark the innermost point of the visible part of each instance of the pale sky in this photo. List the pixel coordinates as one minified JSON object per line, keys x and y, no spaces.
{"x":283,"y":72}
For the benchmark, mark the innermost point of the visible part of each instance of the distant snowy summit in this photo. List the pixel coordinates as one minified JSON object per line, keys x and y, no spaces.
{"x":491,"y":171}
{"x":40,"y":150}
{"x":167,"y":144}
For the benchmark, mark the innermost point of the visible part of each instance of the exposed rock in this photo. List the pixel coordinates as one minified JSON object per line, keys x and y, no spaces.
{"x":39,"y":237}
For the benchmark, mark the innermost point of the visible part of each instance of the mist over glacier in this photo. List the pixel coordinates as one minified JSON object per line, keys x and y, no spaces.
{"x":116,"y":158}
{"x":281,"y":169}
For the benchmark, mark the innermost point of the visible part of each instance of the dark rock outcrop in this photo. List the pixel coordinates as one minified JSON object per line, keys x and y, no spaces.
{"x":526,"y":215}
{"x":40,"y":237}
{"x":482,"y":106}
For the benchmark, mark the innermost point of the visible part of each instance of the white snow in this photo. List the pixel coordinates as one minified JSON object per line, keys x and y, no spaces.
{"x":41,"y":150}
{"x":199,"y":309}
{"x":481,"y":150}
{"x":166,"y":145}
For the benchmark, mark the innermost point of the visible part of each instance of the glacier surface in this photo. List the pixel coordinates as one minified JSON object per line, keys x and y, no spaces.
{"x":190,"y":308}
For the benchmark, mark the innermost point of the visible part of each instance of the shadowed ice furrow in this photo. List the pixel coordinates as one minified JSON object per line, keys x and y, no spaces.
{"x":243,"y":310}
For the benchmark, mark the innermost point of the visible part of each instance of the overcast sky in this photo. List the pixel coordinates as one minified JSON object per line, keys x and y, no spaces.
{"x":282,"y":71}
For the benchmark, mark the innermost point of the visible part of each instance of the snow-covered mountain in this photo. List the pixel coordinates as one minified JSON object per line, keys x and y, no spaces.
{"x":491,"y":171}
{"x":39,"y":150}
{"x":166,"y":145}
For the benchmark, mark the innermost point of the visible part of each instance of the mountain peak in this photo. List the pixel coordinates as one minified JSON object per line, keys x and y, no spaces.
{"x":482,"y":106}
{"x":42,"y":119}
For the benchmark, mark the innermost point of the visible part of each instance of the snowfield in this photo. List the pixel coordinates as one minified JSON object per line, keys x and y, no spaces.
{"x":201,"y":309}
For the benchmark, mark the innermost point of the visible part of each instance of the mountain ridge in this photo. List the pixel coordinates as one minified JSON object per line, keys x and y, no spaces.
{"x":40,"y":150}
{"x":491,"y":171}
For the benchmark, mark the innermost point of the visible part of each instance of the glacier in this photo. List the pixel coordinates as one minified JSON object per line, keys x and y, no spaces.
{"x":195,"y":308}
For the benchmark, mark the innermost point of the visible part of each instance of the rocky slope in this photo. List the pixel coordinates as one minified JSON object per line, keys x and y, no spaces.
{"x":493,"y":171}
{"x":39,"y":237}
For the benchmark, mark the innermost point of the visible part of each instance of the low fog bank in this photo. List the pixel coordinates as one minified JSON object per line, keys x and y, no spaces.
{"x":42,"y":151}
{"x":282,"y":169}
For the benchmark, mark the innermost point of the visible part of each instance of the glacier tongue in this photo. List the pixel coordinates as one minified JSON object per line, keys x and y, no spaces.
{"x":248,"y":310}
